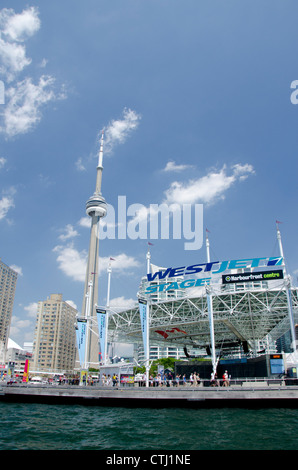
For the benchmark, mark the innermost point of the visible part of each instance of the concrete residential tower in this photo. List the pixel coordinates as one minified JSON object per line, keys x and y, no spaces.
{"x":8,"y":281}
{"x":54,"y":346}
{"x":96,"y":208}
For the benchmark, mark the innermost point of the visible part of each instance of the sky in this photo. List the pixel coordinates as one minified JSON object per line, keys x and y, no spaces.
{"x":196,"y":105}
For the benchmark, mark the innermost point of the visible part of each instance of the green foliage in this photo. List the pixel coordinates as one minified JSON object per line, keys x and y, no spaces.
{"x":166,"y":362}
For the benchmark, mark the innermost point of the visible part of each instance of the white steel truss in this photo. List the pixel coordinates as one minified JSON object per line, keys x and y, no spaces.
{"x":246,"y":315}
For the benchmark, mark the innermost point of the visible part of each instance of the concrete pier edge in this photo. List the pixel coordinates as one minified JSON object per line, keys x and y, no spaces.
{"x":247,"y":396}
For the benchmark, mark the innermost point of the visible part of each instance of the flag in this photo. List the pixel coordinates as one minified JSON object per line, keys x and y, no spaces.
{"x":144,"y":315}
{"x":81,"y":339}
{"x":176,"y":329}
{"x":112,"y":259}
{"x":278,"y":222}
{"x":26,"y":371}
{"x":208,"y":230}
{"x":162,"y":333}
{"x":151,"y":244}
{"x":102,"y":325}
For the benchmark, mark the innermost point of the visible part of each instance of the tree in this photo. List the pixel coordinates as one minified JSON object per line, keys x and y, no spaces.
{"x":166,"y":362}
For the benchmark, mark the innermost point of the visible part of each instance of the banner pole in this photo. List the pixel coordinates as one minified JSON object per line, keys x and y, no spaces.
{"x":144,"y":316}
{"x":288,"y":290}
{"x":210,"y":311}
{"x":148,"y":348}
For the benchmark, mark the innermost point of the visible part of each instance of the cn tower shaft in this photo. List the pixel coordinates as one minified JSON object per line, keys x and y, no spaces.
{"x":96,"y":208}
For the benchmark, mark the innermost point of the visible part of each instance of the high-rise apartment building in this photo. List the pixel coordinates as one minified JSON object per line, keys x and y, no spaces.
{"x":160,"y":352}
{"x":54,"y":346}
{"x":8,"y":281}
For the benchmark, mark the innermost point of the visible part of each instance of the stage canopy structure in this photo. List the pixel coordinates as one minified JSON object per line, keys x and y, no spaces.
{"x":221,"y":318}
{"x":242,"y":318}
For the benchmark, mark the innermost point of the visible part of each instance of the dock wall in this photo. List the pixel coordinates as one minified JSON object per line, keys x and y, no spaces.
{"x":255,"y":395}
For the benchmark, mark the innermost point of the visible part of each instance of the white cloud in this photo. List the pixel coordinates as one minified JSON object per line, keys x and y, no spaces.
{"x":13,"y":58}
{"x":15,"y":29}
{"x":2,"y":162}
{"x":105,"y":224}
{"x":31,"y":309}
{"x":140,"y":218}
{"x":45,"y":181}
{"x":115,"y":133}
{"x":18,"y":326}
{"x":243,"y":171}
{"x":207,"y":189}
{"x":43,"y":63}
{"x":122,"y":303}
{"x":7,"y":202}
{"x":72,"y":304}
{"x":17,"y":269}
{"x":118,"y":130}
{"x":79,"y":165}
{"x":70,"y":232}
{"x":119,"y":263}
{"x":23,"y":328}
{"x":72,"y":262}
{"x":172,"y":166}
{"x":25,"y":100}
{"x":19,"y":26}
{"x":85,"y":222}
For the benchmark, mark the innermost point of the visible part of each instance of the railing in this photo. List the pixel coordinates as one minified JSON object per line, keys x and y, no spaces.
{"x":250,"y":382}
{"x":237,"y":382}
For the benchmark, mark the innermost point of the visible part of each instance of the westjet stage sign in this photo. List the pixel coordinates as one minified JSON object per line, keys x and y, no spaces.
{"x":214,"y":267}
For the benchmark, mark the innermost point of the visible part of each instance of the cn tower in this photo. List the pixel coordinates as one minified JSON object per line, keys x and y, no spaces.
{"x":96,"y":208}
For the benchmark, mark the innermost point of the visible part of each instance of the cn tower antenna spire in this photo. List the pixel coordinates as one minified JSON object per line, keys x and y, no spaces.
{"x":99,"y":166}
{"x":100,"y":155}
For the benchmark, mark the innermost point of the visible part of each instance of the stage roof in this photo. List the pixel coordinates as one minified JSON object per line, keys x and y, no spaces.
{"x":242,"y":314}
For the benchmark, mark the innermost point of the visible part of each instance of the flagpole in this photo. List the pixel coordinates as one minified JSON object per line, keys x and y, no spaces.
{"x":207,"y":246}
{"x":288,"y":288}
{"x":147,"y":348}
{"x":87,"y":316}
{"x":109,"y":270}
{"x":210,"y":309}
{"x":147,"y":352}
{"x":148,"y":258}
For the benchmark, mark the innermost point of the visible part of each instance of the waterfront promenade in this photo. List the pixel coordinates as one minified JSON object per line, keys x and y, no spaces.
{"x":247,"y":394}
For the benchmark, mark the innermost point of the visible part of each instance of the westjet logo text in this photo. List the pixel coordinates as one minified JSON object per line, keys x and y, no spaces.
{"x":215,"y":267}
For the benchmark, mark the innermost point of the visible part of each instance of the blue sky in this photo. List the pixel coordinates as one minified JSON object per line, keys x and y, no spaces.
{"x":195,"y":100}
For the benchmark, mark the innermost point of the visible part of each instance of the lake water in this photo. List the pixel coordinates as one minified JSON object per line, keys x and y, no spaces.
{"x":75,"y":427}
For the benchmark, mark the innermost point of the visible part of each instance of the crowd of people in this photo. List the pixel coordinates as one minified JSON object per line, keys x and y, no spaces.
{"x":171,"y":380}
{"x":110,"y":380}
{"x":168,"y":380}
{"x":193,"y":380}
{"x":215,"y":382}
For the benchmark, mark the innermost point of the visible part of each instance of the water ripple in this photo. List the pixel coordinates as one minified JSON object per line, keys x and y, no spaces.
{"x":62,"y":427}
